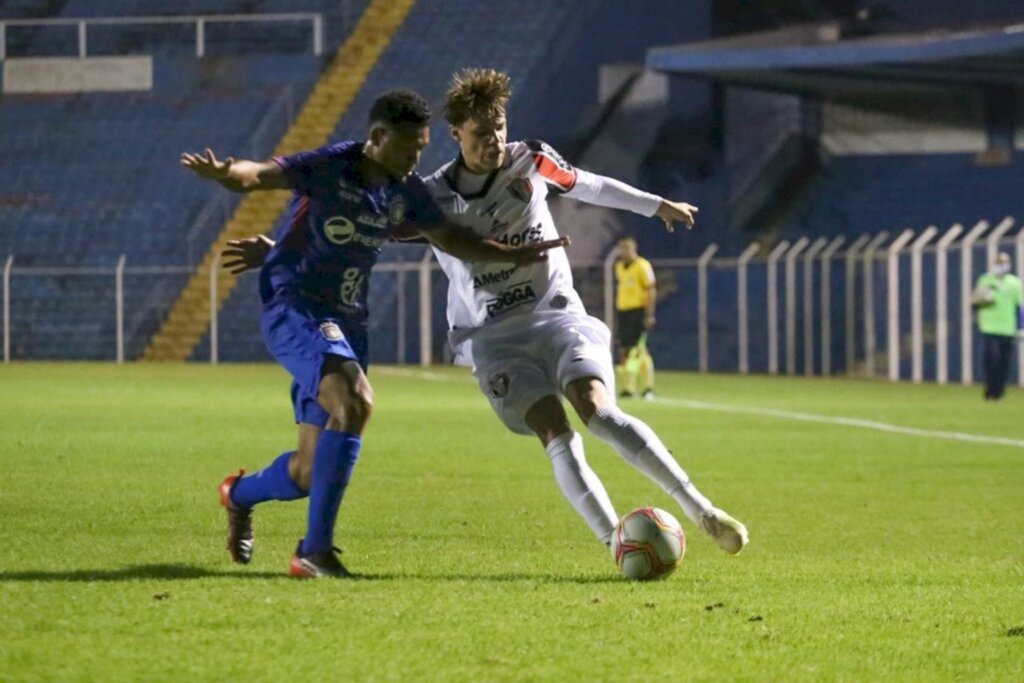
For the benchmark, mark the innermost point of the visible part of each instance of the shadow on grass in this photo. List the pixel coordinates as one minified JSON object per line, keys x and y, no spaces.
{"x":187,"y":572}
{"x":171,"y":572}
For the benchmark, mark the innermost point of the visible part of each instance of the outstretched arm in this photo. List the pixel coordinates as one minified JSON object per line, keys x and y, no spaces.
{"x":466,"y":245}
{"x":615,"y":194}
{"x":246,"y":254}
{"x":237,"y":176}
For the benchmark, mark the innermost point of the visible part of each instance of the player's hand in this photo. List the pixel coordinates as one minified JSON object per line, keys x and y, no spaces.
{"x":677,"y":212}
{"x":243,"y":255}
{"x":536,"y":251}
{"x":649,"y":322}
{"x":206,"y":165}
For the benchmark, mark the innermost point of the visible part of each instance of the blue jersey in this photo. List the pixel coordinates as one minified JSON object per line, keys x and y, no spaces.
{"x":336,"y":228}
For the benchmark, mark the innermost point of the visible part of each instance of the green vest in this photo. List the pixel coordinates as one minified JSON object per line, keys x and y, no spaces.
{"x":1001,"y":316}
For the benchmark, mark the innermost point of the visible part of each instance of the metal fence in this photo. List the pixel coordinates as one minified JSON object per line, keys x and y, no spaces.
{"x":892,"y":305}
{"x":197,"y":23}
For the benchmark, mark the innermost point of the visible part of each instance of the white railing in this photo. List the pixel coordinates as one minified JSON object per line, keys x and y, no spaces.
{"x":860,"y":258}
{"x":200,"y":22}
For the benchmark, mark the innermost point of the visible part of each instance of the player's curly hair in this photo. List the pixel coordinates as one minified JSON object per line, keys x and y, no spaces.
{"x":400,"y":106}
{"x":477,"y":94}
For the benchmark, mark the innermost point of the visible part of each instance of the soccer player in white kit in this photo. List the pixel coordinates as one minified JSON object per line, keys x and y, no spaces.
{"x":524,"y":329}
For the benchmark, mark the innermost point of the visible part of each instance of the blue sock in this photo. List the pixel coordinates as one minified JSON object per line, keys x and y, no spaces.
{"x":336,"y":455}
{"x":272,"y":483}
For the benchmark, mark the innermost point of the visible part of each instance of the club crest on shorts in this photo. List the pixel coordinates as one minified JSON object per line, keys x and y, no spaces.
{"x":521,"y":189}
{"x":498,"y":385}
{"x":331,"y":331}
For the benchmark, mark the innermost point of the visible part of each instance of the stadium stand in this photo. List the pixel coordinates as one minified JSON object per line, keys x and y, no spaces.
{"x":95,"y":182}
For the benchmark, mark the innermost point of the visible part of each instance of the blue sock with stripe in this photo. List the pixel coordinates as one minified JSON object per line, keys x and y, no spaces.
{"x":335,"y":458}
{"x":271,"y":483}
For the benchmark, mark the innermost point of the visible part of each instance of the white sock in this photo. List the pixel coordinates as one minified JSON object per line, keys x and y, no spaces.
{"x":581,"y":486}
{"x":641,"y":447}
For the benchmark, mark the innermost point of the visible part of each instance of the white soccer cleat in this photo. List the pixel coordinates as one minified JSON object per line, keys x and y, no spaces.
{"x":727,"y":532}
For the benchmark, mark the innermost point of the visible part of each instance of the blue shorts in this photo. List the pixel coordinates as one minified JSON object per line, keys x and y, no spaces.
{"x":301,"y":342}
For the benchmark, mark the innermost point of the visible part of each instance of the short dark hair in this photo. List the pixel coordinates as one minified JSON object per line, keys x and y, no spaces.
{"x":400,"y":106}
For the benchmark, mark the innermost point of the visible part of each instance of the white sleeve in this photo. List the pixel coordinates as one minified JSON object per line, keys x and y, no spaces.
{"x":603,"y":191}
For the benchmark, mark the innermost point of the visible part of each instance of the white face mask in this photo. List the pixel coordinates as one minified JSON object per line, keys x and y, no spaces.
{"x":1001,"y":269}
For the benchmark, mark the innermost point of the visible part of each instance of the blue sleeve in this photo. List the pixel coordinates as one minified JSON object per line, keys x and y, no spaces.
{"x":305,"y":170}
{"x":423,"y":213}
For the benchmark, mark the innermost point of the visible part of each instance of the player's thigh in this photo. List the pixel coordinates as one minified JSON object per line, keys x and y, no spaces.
{"x":303,"y":343}
{"x":344,"y":389}
{"x":547,"y":418}
{"x":512,"y":380}
{"x":579,"y":348}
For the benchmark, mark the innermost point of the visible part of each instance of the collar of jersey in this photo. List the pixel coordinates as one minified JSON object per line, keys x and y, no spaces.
{"x":455,"y":169}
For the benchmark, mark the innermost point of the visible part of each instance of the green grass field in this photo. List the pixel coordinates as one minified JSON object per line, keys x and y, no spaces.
{"x":875,"y":556}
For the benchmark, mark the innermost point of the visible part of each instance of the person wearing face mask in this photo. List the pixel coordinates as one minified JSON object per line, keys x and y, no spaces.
{"x":998,"y":299}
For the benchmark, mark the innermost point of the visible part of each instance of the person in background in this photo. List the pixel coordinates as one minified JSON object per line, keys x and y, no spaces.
{"x":635,"y":302}
{"x":998,"y":299}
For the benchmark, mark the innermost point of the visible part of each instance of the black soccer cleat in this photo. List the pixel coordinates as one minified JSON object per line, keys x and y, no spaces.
{"x":317,"y":565}
{"x":239,"y":522}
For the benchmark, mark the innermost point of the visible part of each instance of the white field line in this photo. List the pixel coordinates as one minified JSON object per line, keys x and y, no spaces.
{"x":395,"y":371}
{"x":764,"y":412}
{"x":845,"y":422}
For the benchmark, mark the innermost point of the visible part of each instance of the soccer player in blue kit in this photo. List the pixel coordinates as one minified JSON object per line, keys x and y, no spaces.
{"x":350,"y":198}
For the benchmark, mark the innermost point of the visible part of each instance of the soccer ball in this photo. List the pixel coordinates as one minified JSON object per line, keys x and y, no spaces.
{"x":648,"y":544}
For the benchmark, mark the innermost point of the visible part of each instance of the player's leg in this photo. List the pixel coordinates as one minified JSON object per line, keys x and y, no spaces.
{"x":630,"y":328}
{"x":585,"y":374}
{"x":1003,"y":364}
{"x":647,"y":373}
{"x":641,"y":447}
{"x":989,"y":361}
{"x":512,"y":374}
{"x":347,"y":397}
{"x":578,"y":482}
{"x":286,"y":478}
{"x":324,"y":356}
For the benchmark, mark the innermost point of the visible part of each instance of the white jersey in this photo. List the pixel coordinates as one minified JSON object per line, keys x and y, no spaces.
{"x":509,"y":205}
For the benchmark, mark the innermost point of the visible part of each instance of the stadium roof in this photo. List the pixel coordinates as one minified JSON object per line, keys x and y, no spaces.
{"x":817,"y":59}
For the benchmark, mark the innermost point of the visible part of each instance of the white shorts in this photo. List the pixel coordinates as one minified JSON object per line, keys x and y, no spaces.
{"x":518,"y":365}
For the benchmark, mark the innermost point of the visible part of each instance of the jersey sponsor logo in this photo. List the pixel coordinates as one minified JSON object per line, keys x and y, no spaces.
{"x":512,"y":297}
{"x":498,"y":385}
{"x":531,"y":234}
{"x":374,"y":221}
{"x":397,"y":210}
{"x":339,"y":230}
{"x":521,"y":189}
{"x":485,"y":279}
{"x":331,"y":331}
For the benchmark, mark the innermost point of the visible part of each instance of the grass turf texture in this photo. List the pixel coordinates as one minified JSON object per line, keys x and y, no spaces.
{"x":874,"y":557}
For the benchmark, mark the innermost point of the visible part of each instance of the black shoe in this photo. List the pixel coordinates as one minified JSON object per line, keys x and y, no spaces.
{"x":239,"y":522}
{"x":317,"y":565}
{"x":648,"y":394}
{"x":626,"y":394}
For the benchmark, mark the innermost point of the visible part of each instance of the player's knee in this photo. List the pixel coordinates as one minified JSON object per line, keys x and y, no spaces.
{"x":300,"y":468}
{"x":356,"y":411}
{"x":547,"y":419}
{"x":587,"y":397}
